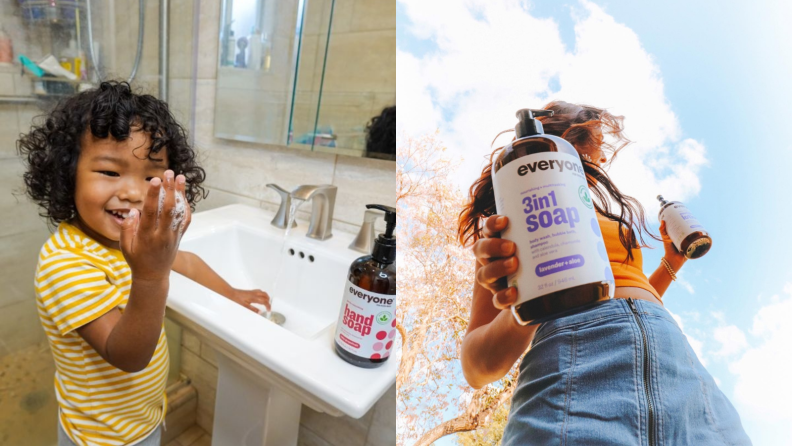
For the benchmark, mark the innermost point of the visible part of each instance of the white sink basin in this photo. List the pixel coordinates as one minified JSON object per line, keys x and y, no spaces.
{"x":266,"y":371}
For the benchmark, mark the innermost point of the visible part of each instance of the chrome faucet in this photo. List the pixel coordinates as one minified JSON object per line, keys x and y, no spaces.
{"x":364,"y":241}
{"x":323,"y":198}
{"x":282,"y":216}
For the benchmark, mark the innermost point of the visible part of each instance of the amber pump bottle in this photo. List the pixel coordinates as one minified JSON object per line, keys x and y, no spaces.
{"x":366,"y":326}
{"x":540,"y":184}
{"x":687,"y":234}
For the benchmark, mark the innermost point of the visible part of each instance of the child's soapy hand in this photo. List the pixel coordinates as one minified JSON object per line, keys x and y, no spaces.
{"x":150,"y":239}
{"x":248,"y":297}
{"x":498,"y":260}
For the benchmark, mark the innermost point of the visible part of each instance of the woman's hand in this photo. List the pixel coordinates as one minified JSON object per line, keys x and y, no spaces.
{"x":150,"y":239}
{"x":672,"y":254}
{"x":498,"y":261}
{"x":248,"y":297}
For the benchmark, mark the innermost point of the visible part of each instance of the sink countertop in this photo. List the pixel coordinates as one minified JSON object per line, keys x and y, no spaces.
{"x":305,"y":366}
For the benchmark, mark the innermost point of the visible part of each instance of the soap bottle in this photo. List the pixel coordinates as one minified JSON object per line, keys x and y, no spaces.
{"x":687,"y":234}
{"x":366,"y":328}
{"x":540,"y":185}
{"x":254,"y":60}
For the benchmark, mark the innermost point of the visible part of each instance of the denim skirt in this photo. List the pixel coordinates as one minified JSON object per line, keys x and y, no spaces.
{"x":617,"y":372}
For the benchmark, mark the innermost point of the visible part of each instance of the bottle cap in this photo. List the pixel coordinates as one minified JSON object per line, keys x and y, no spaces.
{"x":385,"y":245}
{"x":528,"y":126}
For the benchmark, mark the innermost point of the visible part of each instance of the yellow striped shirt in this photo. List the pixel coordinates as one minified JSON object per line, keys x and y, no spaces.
{"x":77,"y":281}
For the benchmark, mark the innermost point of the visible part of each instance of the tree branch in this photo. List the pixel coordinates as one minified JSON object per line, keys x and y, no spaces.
{"x":474,"y":417}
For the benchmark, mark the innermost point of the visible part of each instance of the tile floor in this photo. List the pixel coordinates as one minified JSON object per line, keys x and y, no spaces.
{"x":193,"y":436}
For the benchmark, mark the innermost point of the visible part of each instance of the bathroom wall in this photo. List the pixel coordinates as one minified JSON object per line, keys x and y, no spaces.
{"x":22,"y":232}
{"x":26,"y":368}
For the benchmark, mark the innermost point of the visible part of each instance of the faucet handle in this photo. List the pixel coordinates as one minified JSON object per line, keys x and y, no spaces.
{"x":281,"y":218}
{"x":278,"y":189}
{"x":364,"y":241}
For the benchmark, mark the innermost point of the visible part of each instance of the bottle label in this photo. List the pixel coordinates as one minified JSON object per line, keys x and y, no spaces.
{"x":553,"y":223}
{"x":680,"y":223}
{"x":367,"y":323}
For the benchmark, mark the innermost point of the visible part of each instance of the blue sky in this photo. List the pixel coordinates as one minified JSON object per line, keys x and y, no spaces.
{"x":705,"y":93}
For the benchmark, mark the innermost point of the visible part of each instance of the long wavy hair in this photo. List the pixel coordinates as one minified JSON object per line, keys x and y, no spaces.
{"x":51,"y":149}
{"x":586,"y":128}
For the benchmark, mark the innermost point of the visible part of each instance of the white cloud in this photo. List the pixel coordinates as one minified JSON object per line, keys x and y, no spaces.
{"x":684,"y":283}
{"x":732,"y":340}
{"x":421,"y":116}
{"x":494,"y":57}
{"x":763,"y":389}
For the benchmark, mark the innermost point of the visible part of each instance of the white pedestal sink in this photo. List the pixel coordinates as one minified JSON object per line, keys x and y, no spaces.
{"x":266,"y":372}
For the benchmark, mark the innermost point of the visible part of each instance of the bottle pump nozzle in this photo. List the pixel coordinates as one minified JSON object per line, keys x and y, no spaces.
{"x":385,"y":245}
{"x":528,"y":126}
{"x":662,"y":200}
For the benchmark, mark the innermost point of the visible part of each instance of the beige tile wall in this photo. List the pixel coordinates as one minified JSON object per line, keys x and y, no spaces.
{"x":375,"y":428}
{"x":22,"y":231}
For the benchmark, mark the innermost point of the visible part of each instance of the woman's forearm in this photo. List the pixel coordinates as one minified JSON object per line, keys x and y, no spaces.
{"x":661,"y":279}
{"x":490,"y":351}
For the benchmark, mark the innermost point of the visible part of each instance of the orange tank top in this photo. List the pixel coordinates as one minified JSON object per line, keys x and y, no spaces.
{"x":629,"y":272}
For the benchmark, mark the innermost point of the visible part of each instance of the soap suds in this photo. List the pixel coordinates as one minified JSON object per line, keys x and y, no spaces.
{"x":178,"y":212}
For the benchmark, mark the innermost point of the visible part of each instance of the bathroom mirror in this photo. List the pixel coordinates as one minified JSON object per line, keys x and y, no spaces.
{"x":318,"y":75}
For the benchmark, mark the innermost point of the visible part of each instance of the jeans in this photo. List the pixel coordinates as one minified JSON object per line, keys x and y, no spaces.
{"x":153,"y":438}
{"x":601,"y":374}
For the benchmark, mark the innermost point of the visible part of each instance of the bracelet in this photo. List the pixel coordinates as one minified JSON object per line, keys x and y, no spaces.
{"x":669,"y":269}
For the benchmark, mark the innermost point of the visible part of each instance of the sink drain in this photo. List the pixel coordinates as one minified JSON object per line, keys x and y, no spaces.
{"x":276,"y":318}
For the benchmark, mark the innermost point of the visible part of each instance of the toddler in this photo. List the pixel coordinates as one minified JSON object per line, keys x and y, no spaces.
{"x":117,"y":181}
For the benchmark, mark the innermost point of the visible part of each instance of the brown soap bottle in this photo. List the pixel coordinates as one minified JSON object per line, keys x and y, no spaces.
{"x":685,"y":231}
{"x":366,"y":327}
{"x":540,"y":185}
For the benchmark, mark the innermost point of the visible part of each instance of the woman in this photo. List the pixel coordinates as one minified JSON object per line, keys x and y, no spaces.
{"x":616,"y":371}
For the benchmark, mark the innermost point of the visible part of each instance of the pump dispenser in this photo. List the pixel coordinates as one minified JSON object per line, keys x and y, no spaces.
{"x":366,"y":326}
{"x":540,"y":185}
{"x":385,"y":245}
{"x":687,"y":234}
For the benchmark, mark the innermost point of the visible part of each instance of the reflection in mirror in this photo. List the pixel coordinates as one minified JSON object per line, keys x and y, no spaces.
{"x":256,"y":69}
{"x":351,"y":77}
{"x":381,"y":135}
{"x":309,"y":74}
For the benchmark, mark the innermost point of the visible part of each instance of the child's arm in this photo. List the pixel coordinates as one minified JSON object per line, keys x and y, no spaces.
{"x":128,"y":340}
{"x":192,"y":267}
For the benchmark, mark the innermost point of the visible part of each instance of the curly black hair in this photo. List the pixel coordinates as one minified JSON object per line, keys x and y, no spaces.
{"x":381,"y":135}
{"x":53,"y":148}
